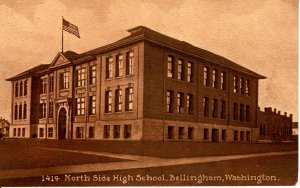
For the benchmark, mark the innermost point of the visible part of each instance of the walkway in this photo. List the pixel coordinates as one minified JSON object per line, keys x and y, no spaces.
{"x":136,"y":162}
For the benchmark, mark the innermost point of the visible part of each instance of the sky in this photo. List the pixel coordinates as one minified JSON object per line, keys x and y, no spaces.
{"x":261,"y":35}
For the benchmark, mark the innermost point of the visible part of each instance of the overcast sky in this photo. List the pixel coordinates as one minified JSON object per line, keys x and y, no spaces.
{"x":261,"y":35}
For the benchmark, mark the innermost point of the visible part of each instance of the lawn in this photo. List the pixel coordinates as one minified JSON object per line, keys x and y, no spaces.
{"x":155,"y":149}
{"x":284,"y":168}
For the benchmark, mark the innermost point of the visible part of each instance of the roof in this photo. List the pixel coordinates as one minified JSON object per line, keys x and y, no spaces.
{"x":30,"y":72}
{"x":142,"y":33}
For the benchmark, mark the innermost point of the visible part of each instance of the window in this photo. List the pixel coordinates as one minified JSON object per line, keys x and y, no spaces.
{"x":224,"y":135}
{"x":43,"y":109}
{"x":116,"y":131}
{"x":51,"y":108}
{"x":119,"y":65}
{"x":118,"y":100}
{"x":170,"y":132}
{"x":190,"y":133}
{"x":247,"y":87}
{"x":170,"y":100}
{"x":23,"y":132}
{"x":92,"y":75}
{"x":15,"y":132}
{"x":129,"y":99}
{"x":80,"y":106}
{"x":21,"y":88}
{"x":206,"y":134}
{"x":44,"y":85}
{"x":235,"y":111}
{"x":242,"y":136}
{"x":206,"y":76}
{"x":223,"y":80}
{"x":189,"y":104}
{"x":242,"y":110}
{"x":235,"y":84}
{"x":92,"y":106}
{"x":91,"y":132}
{"x":248,"y":113}
{"x":41,"y":132}
{"x":17,"y":89}
{"x":180,"y":69}
{"x":248,"y":136}
{"x":214,"y":108}
{"x":64,"y":80}
{"x":223,"y":109}
{"x":129,"y":63}
{"x":106,"y":131}
{"x":24,"y":110}
{"x":25,"y":87}
{"x":127,"y":131}
{"x":205,"y":107}
{"x":51,"y":83}
{"x":108,"y":101}
{"x":190,"y":72}
{"x":180,"y":132}
{"x":50,"y":132}
{"x":236,"y":135}
{"x":170,"y":67}
{"x":109,"y":67}
{"x":81,"y":77}
{"x":20,"y":111}
{"x":16,"y":111}
{"x":79,"y":132}
{"x":215,"y":78}
{"x":19,"y":132}
{"x":242,"y":86}
{"x":180,"y":109}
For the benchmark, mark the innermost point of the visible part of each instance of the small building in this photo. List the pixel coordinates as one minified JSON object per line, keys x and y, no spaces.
{"x":295,"y":131}
{"x":4,"y":127}
{"x":274,"y":126}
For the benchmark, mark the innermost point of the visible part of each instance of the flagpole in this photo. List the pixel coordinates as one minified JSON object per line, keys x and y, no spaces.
{"x":62,"y":35}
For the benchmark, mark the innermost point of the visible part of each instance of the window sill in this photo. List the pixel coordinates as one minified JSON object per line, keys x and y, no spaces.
{"x":119,"y":77}
{"x":65,"y":89}
{"x":129,"y":111}
{"x":119,"y":112}
{"x":129,"y":75}
{"x":108,"y":79}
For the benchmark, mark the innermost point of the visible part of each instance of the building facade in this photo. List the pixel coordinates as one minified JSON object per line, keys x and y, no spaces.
{"x":274,"y":126}
{"x":146,"y":86}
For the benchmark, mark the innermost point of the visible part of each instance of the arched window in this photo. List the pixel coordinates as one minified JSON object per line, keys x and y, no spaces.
{"x":17,"y":89}
{"x":20,"y":111}
{"x":21,"y":88}
{"x":25,"y":87}
{"x":16,"y":112}
{"x":25,"y":111}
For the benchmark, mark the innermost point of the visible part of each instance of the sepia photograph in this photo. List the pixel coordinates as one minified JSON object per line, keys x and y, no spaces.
{"x":148,"y":93}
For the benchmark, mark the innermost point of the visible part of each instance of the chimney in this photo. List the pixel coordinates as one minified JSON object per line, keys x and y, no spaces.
{"x":275,"y":110}
{"x":291,"y":115}
{"x":285,"y":114}
{"x":279,"y":112}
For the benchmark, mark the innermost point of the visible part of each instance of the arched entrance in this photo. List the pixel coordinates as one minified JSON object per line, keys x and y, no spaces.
{"x":62,"y":122}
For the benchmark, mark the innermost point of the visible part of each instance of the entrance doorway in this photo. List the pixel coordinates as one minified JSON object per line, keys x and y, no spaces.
{"x":215,"y":135}
{"x":62,"y":122}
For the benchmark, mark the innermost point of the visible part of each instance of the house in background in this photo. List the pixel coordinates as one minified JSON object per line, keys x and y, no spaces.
{"x":274,"y":126}
{"x":146,"y":86}
{"x":4,"y":127}
{"x":295,"y":131}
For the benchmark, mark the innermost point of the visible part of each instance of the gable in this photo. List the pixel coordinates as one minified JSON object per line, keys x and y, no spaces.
{"x":59,"y":60}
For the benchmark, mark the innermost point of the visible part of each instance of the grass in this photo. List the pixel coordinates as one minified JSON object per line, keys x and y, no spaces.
{"x":284,"y":168}
{"x":155,"y":149}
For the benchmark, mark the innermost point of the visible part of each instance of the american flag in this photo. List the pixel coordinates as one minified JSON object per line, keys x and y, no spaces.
{"x":67,"y":26}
